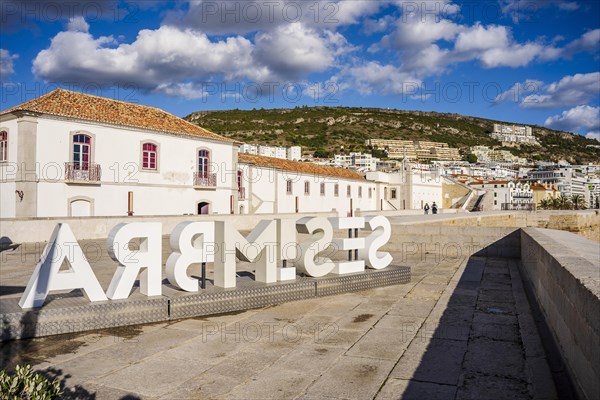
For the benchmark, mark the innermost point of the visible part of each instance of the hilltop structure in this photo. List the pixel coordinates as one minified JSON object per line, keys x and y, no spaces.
{"x":415,"y":150}
{"x":511,"y":135}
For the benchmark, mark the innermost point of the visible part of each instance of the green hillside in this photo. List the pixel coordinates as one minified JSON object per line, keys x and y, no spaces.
{"x":326,"y":130}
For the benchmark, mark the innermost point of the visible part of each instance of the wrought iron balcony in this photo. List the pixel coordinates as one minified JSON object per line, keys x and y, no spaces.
{"x":202,"y":180}
{"x":83,"y":172}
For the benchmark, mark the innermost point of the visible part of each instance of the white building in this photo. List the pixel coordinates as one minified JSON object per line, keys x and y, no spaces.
{"x":272,"y":151}
{"x":567,"y":179}
{"x":593,"y":184}
{"x":358,"y":161}
{"x":71,"y":154}
{"x":514,"y":134}
{"x":249,"y":149}
{"x":294,"y":153}
{"x":507,"y":195}
{"x":270,"y":185}
{"x":408,"y":188}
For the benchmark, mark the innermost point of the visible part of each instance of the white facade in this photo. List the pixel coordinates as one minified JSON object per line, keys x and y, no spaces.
{"x":273,"y":152}
{"x":507,"y":195}
{"x":249,"y":149}
{"x":358,"y":161}
{"x":568,"y":181}
{"x":117,"y":151}
{"x":59,"y":167}
{"x":271,"y":190}
{"x":407,"y":189}
{"x":514,"y":134}
{"x":294,"y":153}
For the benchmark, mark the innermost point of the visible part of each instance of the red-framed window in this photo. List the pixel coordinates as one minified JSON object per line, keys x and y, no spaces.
{"x":82,"y":151}
{"x":149,"y":156}
{"x":203,"y":163}
{"x":3,"y":146}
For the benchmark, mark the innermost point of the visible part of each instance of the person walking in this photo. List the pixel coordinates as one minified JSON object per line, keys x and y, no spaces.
{"x":434,"y":208}
{"x":426,"y":208}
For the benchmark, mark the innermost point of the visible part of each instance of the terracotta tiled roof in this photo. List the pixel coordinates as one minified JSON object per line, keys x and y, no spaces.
{"x":537,"y":186}
{"x":296,"y":166}
{"x":66,"y":103}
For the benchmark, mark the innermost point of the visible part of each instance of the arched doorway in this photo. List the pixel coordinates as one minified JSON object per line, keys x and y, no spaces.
{"x":203,"y":208}
{"x":241,"y":210}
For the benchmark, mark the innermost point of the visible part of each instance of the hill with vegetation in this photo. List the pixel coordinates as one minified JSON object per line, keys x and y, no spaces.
{"x":328,"y":130}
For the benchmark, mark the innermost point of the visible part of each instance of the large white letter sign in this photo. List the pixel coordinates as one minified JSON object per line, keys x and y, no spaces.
{"x":382,"y":231}
{"x":47,"y":276}
{"x":145,"y":262}
{"x":262,"y":241}
{"x":186,"y":252}
{"x":348,"y":267}
{"x":310,"y":249}
{"x":288,"y":250}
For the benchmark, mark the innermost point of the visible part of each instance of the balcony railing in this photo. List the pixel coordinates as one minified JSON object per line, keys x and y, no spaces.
{"x":518,"y":206}
{"x":242,"y":193}
{"x":83,"y":172}
{"x":202,"y":180}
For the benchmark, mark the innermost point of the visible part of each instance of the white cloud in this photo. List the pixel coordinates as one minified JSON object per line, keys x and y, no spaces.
{"x":186,"y":90}
{"x":429,"y":39}
{"x":569,"y":91}
{"x":526,"y":10}
{"x":577,"y":118}
{"x":513,"y":56}
{"x":78,"y":24}
{"x":176,"y":60}
{"x":588,"y":42}
{"x":518,"y":90}
{"x":593,"y":135}
{"x":242,"y":17}
{"x":292,"y":50}
{"x":373,"y":77}
{"x":164,"y":56}
{"x":6,"y":64}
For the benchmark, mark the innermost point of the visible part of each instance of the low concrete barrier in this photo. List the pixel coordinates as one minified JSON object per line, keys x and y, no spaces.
{"x":31,"y":230}
{"x":563,"y":271}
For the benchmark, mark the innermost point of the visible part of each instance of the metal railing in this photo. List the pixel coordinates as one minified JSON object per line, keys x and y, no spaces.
{"x":83,"y":172}
{"x":205,"y":180}
{"x":518,"y":207}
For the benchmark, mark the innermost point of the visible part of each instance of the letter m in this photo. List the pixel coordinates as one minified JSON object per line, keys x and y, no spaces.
{"x":259,"y":247}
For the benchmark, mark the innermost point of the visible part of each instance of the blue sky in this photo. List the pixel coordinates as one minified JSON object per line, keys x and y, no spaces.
{"x":526,"y":61}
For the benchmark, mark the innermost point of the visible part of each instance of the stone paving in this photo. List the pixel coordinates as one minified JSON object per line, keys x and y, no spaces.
{"x":459,"y":330}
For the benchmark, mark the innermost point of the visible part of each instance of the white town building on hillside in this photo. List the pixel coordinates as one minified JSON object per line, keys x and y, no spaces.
{"x":71,"y":154}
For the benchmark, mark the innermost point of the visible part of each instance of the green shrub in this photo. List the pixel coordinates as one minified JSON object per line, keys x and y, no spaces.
{"x":24,"y":384}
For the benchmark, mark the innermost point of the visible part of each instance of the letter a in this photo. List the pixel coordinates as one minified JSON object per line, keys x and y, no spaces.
{"x":46,"y":276}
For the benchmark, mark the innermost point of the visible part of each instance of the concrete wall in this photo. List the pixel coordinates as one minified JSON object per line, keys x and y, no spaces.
{"x":39,"y":229}
{"x":563,"y":271}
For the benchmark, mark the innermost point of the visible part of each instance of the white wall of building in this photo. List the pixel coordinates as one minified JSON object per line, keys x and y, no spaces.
{"x":266,"y":192}
{"x":167,"y":191}
{"x":8,"y":171}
